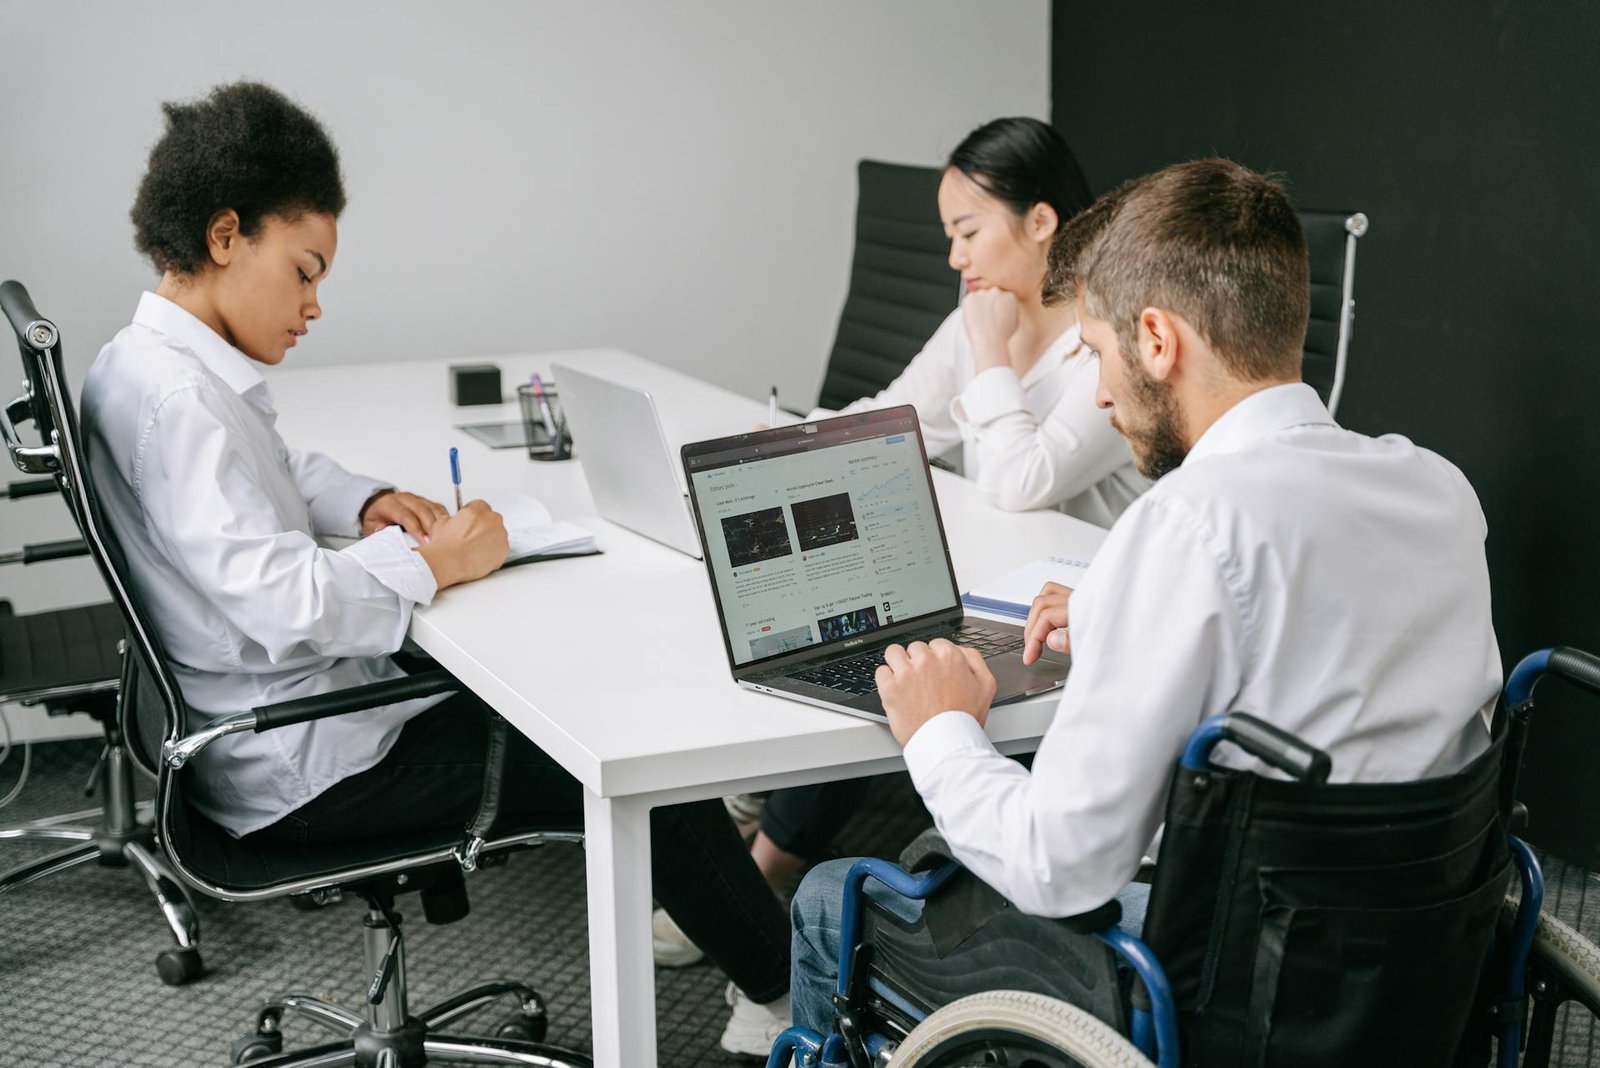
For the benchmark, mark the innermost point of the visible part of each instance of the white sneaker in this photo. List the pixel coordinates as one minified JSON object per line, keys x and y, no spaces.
{"x":745,"y":810}
{"x":752,"y":1029}
{"x":669,"y":946}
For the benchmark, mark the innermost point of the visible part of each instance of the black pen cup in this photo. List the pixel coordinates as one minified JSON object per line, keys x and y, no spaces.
{"x":544,"y":441}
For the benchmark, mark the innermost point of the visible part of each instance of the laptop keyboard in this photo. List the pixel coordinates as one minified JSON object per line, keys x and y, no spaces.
{"x":857,"y":675}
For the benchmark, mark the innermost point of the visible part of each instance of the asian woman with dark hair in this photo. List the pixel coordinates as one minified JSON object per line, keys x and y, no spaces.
{"x":1006,"y":377}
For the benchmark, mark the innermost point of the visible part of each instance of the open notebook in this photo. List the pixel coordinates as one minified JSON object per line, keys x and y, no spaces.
{"x":534,"y":534}
{"x":1012,"y":594}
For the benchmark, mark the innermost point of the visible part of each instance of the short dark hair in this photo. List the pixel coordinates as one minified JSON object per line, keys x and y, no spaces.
{"x":1064,"y":259}
{"x":246,"y":146}
{"x":1022,"y":162}
{"x":1220,"y":245}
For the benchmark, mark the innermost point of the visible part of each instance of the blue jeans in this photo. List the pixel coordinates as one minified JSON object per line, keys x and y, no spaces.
{"x":816,"y":911}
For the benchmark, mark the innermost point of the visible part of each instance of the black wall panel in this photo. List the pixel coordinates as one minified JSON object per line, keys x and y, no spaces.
{"x":1470,"y":133}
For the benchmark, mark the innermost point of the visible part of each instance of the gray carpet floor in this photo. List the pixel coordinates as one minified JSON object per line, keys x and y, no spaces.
{"x":77,"y":951}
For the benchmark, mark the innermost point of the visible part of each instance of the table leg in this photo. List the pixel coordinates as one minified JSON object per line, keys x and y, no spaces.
{"x":621,"y":971}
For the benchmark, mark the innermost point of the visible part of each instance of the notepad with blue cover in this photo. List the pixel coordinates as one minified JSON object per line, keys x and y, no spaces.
{"x":1012,"y":594}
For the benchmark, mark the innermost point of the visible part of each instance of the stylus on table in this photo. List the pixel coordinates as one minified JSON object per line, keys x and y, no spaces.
{"x":772,"y":407}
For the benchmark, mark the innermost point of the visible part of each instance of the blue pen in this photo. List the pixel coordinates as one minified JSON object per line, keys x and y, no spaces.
{"x":455,"y":474}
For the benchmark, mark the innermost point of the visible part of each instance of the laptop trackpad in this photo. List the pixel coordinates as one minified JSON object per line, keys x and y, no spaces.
{"x":1014,"y":681}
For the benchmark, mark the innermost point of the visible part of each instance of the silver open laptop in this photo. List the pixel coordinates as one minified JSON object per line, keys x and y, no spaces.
{"x":825,"y":545}
{"x":625,"y":458}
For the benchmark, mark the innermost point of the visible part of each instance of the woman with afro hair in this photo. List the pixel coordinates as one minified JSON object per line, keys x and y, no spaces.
{"x":218,"y":518}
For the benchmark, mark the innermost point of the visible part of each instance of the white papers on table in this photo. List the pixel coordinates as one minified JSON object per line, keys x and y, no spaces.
{"x":533,"y":532}
{"x":1013,"y":593}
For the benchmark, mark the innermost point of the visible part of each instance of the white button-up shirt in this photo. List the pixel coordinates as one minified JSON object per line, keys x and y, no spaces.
{"x":216,"y":516}
{"x":1330,"y":583}
{"x":1032,"y":442}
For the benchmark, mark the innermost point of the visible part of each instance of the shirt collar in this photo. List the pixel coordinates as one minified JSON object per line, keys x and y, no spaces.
{"x":1263,"y":412}
{"x":188,"y":332}
{"x":1061,"y":349}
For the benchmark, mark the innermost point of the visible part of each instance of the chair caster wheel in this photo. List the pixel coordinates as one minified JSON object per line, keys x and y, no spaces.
{"x":527,"y":1023}
{"x":179,"y":966}
{"x":255,"y":1046}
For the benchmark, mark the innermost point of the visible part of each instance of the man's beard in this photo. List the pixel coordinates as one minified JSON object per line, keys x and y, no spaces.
{"x":1158,"y":442}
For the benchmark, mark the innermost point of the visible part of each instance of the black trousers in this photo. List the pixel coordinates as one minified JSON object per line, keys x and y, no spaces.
{"x":804,"y":820}
{"x":433,"y":776}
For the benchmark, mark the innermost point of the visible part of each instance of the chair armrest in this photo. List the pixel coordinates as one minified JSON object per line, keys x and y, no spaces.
{"x":45,"y":550}
{"x":304,"y":709}
{"x":31,"y":487}
{"x":480,"y":829}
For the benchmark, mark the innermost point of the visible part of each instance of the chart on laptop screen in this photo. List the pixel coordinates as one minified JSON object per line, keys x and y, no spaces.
{"x":823,"y":544}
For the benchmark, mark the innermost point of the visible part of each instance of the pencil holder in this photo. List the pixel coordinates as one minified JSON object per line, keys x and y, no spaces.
{"x":542,"y":443}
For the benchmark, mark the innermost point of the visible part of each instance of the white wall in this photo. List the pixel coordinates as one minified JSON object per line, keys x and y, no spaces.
{"x":676,"y":179}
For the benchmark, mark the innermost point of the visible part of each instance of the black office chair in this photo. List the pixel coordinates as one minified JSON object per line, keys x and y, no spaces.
{"x":901,"y":284}
{"x":155,"y":721}
{"x":69,"y":660}
{"x":1331,"y":246}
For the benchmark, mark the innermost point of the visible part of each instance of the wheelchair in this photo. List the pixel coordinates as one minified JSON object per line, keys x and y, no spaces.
{"x":1375,"y":929}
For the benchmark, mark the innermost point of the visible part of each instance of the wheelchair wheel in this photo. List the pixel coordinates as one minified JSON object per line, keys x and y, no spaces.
{"x":1570,"y":957}
{"x":1014,"y":1029}
{"x":1563,"y":969}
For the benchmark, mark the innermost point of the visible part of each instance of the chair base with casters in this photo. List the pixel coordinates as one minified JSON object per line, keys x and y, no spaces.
{"x":1480,"y":993}
{"x":388,"y":1034}
{"x":120,"y":833}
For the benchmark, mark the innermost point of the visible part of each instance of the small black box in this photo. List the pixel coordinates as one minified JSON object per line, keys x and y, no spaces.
{"x":474,"y":383}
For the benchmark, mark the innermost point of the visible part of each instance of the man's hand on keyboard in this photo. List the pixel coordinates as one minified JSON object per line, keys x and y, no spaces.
{"x":920,"y":681}
{"x":1047,"y":623}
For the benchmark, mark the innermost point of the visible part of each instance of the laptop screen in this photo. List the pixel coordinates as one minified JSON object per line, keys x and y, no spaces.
{"x":820,"y":533}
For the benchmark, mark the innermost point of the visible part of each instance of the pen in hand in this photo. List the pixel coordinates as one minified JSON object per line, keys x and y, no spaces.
{"x":772,"y":407}
{"x":455,"y":474}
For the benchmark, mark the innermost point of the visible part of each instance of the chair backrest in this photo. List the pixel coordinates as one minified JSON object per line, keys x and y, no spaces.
{"x":901,"y":284}
{"x":1329,"y":924}
{"x":146,"y":723}
{"x":1331,"y":247}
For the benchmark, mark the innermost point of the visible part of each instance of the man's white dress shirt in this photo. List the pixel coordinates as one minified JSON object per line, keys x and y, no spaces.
{"x":216,"y":516}
{"x":1034,"y":442}
{"x":1330,"y":583}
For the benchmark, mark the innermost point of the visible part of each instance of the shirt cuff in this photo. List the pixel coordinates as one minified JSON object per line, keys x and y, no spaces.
{"x":338,"y":511}
{"x":944,"y":734}
{"x":988,"y":396}
{"x":388,"y":557}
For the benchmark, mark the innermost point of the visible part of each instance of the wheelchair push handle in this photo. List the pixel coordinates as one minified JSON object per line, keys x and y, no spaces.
{"x":1275,"y":747}
{"x":1574,"y":665}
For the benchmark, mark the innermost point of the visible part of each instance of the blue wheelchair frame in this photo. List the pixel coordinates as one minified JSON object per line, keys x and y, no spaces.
{"x":1155,"y":1031}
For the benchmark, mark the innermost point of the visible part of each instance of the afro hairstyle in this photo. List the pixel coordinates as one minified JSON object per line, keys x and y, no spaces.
{"x":245,"y":146}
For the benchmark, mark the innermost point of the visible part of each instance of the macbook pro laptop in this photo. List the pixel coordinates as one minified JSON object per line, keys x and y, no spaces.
{"x":824,"y":545}
{"x":625,"y":458}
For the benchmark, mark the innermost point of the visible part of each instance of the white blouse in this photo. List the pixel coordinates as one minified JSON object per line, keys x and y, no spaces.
{"x":1034,"y":442}
{"x":218,"y":519}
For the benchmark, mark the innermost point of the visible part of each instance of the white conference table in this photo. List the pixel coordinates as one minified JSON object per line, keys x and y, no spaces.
{"x":614,"y":664}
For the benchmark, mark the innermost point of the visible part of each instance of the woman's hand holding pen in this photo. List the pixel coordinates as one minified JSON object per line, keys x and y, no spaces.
{"x":992,"y":317}
{"x":467,"y":545}
{"x":391,"y":508}
{"x":1047,"y":623}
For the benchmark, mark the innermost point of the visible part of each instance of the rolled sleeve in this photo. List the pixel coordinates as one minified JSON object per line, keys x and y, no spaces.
{"x":387,"y":557}
{"x":991,"y":394}
{"x":338,"y":510}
